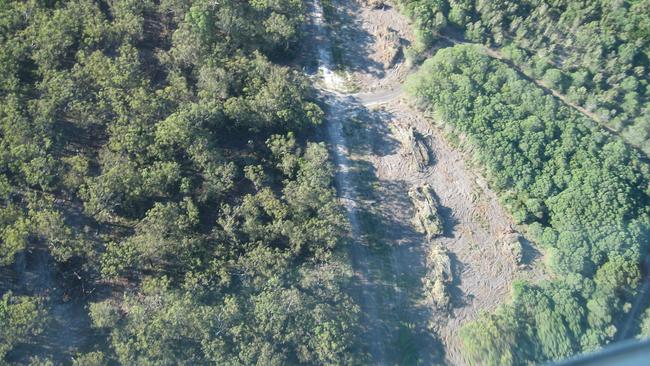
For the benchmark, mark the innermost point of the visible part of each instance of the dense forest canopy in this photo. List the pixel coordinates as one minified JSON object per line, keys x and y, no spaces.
{"x":156,"y":152}
{"x":597,"y":53}
{"x":582,"y":192}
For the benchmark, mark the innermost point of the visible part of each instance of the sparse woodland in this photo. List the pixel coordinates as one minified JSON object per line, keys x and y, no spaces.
{"x":158,"y":154}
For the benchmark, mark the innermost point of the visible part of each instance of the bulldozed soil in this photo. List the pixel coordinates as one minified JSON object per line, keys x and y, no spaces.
{"x":393,"y":148}
{"x":374,"y":36}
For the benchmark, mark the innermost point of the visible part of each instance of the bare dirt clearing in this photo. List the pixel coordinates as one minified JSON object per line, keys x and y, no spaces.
{"x":475,"y":225}
{"x":383,"y":164}
{"x":374,"y":40}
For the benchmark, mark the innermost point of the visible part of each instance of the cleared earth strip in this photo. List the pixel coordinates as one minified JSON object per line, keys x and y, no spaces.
{"x":346,"y":190}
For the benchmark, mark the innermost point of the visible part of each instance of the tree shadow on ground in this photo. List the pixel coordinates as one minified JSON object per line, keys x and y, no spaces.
{"x":458,"y":297}
{"x":67,"y":327}
{"x":352,"y":29}
{"x":529,"y":252}
{"x":362,"y":173}
{"x":365,"y":131}
{"x":449,"y":221}
{"x":403,"y":252}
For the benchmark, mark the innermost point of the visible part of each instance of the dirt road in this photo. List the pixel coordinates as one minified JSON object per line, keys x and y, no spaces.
{"x":358,"y":249}
{"x":377,"y":98}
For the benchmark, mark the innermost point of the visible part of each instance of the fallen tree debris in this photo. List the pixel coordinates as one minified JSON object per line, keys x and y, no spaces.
{"x":439,"y":276}
{"x":426,"y":220}
{"x":511,"y":246}
{"x":414,"y":147}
